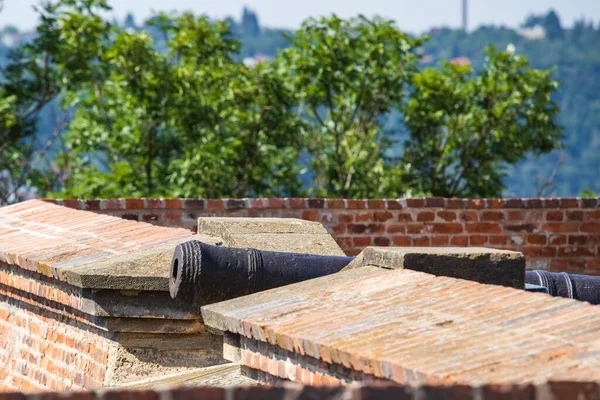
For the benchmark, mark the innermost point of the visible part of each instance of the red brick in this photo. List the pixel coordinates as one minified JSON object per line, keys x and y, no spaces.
{"x":592,"y":216}
{"x":310,"y":215}
{"x":214,"y":204}
{"x":572,"y":390}
{"x":421,"y":241}
{"x":495,"y":203}
{"x":394,"y":205}
{"x":396,"y":228}
{"x":338,"y":229}
{"x":404,"y":217}
{"x":578,"y":239}
{"x":414,"y":228}
{"x":533,"y":203}
{"x":363,"y":241}
{"x":569,"y":203}
{"x":483,"y":227}
{"x":156,"y":204}
{"x":364,"y":217}
{"x":447,"y":215}
{"x":592,"y":227}
{"x":514,"y":203}
{"x":516,"y":215}
{"x":296,"y":203}
{"x":499,"y":240}
{"x":440,"y":240}
{"x":345,"y":218}
{"x":134,"y":204}
{"x":562,"y":227}
{"x":376,"y":204}
{"x":401,"y":240}
{"x":478,"y":240}
{"x":337,"y":204}
{"x":173,"y":203}
{"x":575,"y":215}
{"x":462,"y":241}
{"x":551,"y":203}
{"x":150,"y":217}
{"x":415,"y":203}
{"x":508,"y":392}
{"x":469,"y":216}
{"x":476,"y":204}
{"x":356,"y":204}
{"x":73,"y":203}
{"x":554,"y":216}
{"x":453,"y":204}
{"x":276,"y":203}
{"x":426,"y":216}
{"x":492,"y":216}
{"x":381,"y":241}
{"x":382,"y":216}
{"x":317,"y":203}
{"x":171,"y":217}
{"x":537,"y":239}
{"x":446,"y":228}
{"x":592,"y":265}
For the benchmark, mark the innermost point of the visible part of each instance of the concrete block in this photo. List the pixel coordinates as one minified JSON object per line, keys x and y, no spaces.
{"x":272,"y":234}
{"x":479,"y":264}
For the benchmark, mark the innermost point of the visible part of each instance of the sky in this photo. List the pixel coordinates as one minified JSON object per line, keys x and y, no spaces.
{"x":414,"y":16}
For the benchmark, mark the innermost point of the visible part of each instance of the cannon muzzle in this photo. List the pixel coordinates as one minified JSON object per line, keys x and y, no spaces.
{"x":203,"y":274}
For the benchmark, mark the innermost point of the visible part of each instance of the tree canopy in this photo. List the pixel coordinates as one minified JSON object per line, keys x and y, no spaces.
{"x":170,"y":110}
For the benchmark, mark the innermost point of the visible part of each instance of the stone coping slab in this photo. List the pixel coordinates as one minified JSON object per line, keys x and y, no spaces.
{"x":480,"y":264}
{"x":272,"y":234}
{"x":409,"y":326}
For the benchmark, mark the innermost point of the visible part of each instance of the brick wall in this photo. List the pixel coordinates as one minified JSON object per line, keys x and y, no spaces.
{"x":555,"y":234}
{"x":549,"y":391}
{"x":45,"y":344}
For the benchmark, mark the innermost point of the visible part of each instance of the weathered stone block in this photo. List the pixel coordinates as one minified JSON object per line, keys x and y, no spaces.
{"x":479,"y":264}
{"x":272,"y":234}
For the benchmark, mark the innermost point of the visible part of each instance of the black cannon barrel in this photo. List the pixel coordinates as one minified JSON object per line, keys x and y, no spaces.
{"x":561,"y":284}
{"x":204,"y":274}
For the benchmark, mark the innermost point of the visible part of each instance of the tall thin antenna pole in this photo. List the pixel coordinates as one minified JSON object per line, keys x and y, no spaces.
{"x":465,"y":15}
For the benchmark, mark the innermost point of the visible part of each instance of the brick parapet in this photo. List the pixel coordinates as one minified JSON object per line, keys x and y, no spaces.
{"x":557,"y":234}
{"x":547,"y":391}
{"x":46,"y":343}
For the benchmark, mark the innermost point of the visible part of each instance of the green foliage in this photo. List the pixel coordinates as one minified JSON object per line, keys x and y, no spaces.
{"x":169,"y":110}
{"x":190,"y":122}
{"x":346,"y":75}
{"x":588,"y":193}
{"x":465,"y":128}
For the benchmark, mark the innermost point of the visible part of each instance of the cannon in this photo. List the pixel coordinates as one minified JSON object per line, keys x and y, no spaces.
{"x":204,"y":274}
{"x":571,"y":286}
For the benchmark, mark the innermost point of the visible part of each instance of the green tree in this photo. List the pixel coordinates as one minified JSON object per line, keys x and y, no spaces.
{"x":347,"y":74}
{"x":466,"y":128}
{"x":188,"y":122}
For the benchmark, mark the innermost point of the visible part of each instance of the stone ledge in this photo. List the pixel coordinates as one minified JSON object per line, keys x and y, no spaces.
{"x":146,"y":270}
{"x":272,"y":234}
{"x":479,"y":264}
